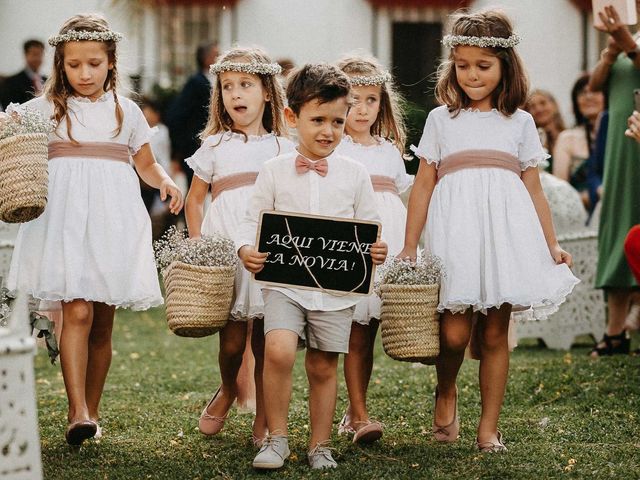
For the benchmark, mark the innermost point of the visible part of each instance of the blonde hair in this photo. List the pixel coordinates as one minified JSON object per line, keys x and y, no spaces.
{"x":272,"y":119}
{"x":57,"y":88}
{"x":390,"y":123}
{"x":511,"y":92}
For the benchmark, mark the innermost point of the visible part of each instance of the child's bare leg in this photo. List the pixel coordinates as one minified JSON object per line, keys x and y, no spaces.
{"x":494,"y":369}
{"x":322,"y":372}
{"x":358,"y":365}
{"x":233,"y":338}
{"x":74,"y":346}
{"x":99,"y":356}
{"x":455,"y":331}
{"x":245,"y":383}
{"x":279,"y":357}
{"x":257,"y":346}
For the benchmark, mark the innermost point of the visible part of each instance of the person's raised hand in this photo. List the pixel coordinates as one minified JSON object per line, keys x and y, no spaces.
{"x":612,"y":24}
{"x":634,"y":126}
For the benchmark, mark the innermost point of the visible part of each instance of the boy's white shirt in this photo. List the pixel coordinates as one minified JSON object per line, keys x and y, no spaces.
{"x":345,"y":192}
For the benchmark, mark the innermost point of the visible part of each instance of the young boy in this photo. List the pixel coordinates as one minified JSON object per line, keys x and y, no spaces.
{"x":318,"y":181}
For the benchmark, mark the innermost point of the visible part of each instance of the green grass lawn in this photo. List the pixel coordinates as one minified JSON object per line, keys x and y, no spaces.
{"x":565,"y":416}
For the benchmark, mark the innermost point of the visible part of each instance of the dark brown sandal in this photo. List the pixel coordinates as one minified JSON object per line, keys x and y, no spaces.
{"x":612,"y":345}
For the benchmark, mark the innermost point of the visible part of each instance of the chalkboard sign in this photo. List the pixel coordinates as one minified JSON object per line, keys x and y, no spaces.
{"x":317,"y":252}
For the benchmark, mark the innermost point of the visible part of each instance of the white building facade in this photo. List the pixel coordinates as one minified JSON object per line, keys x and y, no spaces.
{"x":558,"y":41}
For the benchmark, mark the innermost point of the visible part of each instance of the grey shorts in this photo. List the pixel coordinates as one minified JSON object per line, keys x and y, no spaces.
{"x":325,"y":331}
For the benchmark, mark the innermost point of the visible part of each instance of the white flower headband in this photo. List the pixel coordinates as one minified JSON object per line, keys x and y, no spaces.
{"x":370,"y":80}
{"x":254,"y":68}
{"x":453,"y":40}
{"x":79,"y":35}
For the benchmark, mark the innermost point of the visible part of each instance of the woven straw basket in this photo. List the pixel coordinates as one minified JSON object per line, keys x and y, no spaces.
{"x":23,"y":177}
{"x":198,"y":298}
{"x":410,"y":322}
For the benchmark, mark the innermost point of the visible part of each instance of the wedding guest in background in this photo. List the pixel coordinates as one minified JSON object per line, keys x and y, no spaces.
{"x":28,"y":82}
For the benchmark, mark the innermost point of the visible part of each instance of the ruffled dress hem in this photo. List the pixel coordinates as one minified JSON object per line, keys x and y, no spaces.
{"x":537,"y":309}
{"x":136,"y":305}
{"x":240,"y":313}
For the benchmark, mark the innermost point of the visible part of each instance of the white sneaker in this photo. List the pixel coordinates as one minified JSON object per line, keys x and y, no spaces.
{"x":273,"y":453}
{"x":320,"y":457}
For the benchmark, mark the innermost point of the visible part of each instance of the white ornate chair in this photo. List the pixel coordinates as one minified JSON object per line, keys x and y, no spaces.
{"x":584,"y":310}
{"x":8,"y":232}
{"x":19,"y":439}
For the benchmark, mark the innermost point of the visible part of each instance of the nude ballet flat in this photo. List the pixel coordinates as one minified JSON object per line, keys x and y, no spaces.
{"x":78,"y":432}
{"x":490,"y":447}
{"x":210,"y":424}
{"x":446,"y":433}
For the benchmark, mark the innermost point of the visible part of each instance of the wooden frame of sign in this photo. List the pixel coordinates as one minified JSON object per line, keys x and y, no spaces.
{"x":310,"y":250}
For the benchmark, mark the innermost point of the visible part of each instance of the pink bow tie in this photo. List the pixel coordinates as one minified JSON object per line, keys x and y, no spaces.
{"x":321,"y":167}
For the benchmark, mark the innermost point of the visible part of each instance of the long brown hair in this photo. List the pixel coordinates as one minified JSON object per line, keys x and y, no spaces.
{"x":57,"y":89}
{"x":272,"y":119}
{"x":390,"y":121}
{"x":511,"y":92}
{"x":557,"y":121}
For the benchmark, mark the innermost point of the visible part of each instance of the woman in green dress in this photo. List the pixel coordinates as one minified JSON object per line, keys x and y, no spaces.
{"x":617,"y":72}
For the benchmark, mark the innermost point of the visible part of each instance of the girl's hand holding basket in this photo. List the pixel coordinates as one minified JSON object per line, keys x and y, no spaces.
{"x":409,"y":319}
{"x":198,"y":275}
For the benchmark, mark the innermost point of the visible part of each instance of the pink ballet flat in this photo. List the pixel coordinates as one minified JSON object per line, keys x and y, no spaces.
{"x":446,"y":433}
{"x":369,"y":432}
{"x":210,"y":424}
{"x":490,"y":447}
{"x":344,"y":427}
{"x":78,"y":432}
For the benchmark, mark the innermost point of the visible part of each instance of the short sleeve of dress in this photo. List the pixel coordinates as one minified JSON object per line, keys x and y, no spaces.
{"x":141,"y":132}
{"x":429,"y":148}
{"x":202,"y":162}
{"x":530,"y":151}
{"x":402,"y":179}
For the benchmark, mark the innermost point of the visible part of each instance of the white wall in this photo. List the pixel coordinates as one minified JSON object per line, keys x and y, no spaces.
{"x":24,"y":19}
{"x":551,"y":45}
{"x":305,"y":31}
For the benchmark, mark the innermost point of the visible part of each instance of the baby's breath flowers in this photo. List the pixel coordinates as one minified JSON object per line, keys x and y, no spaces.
{"x":370,"y":80}
{"x":23,"y":120}
{"x":427,"y":270}
{"x":80,"y":35}
{"x":246,"y":67}
{"x":207,"y":251}
{"x":453,"y":40}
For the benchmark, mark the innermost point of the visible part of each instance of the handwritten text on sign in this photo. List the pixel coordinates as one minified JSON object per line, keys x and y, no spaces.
{"x":322,"y":253}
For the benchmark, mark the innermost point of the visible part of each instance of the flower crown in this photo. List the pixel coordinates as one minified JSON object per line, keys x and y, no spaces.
{"x":254,"y":68}
{"x":79,"y":35}
{"x":453,"y":40}
{"x":369,"y":80}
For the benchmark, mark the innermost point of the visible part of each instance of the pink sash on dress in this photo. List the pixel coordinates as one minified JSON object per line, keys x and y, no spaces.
{"x":230,"y":182}
{"x":101,"y":150}
{"x":478,"y":159}
{"x":382,"y":183}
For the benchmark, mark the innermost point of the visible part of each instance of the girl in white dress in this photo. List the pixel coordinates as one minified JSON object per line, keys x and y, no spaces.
{"x":487,"y":217}
{"x":244,"y":130}
{"x":375,"y":137}
{"x":91,"y":248}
